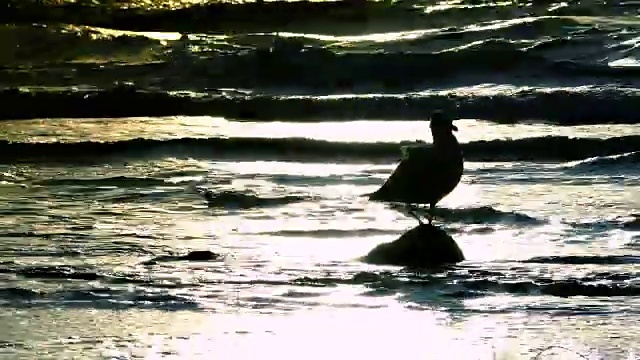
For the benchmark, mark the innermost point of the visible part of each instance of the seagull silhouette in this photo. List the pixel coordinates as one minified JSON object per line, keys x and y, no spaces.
{"x":426,"y":174}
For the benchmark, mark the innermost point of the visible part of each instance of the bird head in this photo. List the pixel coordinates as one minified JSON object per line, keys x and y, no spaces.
{"x":439,"y":123}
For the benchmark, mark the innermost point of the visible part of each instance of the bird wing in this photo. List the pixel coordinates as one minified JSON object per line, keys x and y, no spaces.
{"x":413,"y":172}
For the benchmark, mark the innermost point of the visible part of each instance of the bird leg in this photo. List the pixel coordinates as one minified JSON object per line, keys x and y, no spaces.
{"x":411,"y":209}
{"x":431,"y":215}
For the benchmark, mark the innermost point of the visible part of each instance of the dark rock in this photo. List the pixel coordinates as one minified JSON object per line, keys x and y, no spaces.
{"x":199,"y":255}
{"x":245,"y":200}
{"x":633,"y":224}
{"x":424,"y":246}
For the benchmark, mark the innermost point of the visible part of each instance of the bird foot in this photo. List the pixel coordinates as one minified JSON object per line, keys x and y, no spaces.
{"x":412,"y":210}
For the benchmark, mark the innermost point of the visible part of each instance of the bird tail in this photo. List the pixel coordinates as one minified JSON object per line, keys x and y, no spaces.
{"x":377,"y":195}
{"x":368,"y":195}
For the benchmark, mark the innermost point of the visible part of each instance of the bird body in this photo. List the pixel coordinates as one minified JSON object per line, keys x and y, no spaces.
{"x":426,"y":174}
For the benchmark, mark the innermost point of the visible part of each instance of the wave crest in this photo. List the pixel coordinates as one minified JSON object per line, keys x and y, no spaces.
{"x":625,"y":161}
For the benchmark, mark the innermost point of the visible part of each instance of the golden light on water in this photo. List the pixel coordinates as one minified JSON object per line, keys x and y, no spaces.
{"x":287,"y":287}
{"x":273,"y":317}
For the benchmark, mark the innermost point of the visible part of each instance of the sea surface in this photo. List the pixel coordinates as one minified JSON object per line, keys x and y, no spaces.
{"x":113,"y":129}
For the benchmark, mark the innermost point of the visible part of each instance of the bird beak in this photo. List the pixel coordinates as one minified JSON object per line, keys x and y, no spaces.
{"x":454,"y":128}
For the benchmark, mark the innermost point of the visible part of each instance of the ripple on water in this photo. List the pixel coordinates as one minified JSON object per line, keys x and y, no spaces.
{"x":114,"y":239}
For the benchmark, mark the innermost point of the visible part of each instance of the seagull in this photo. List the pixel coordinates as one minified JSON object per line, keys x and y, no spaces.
{"x":426,"y":174}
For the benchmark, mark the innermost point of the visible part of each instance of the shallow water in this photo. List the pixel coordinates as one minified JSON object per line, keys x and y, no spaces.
{"x":110,"y":137}
{"x":75,"y":237}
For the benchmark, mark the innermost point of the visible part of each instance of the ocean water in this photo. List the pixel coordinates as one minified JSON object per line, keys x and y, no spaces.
{"x":113,"y":125}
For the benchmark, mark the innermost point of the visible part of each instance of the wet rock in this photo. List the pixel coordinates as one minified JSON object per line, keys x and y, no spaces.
{"x":633,"y":224}
{"x":245,"y":200}
{"x":424,"y":246}
{"x":198,"y":255}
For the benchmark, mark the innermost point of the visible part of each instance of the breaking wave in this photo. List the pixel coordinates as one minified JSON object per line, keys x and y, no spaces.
{"x":619,"y":163}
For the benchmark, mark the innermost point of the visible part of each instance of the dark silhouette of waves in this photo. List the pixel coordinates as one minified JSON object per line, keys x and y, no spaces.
{"x":548,"y":148}
{"x":561,"y":106}
{"x":457,"y":282}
